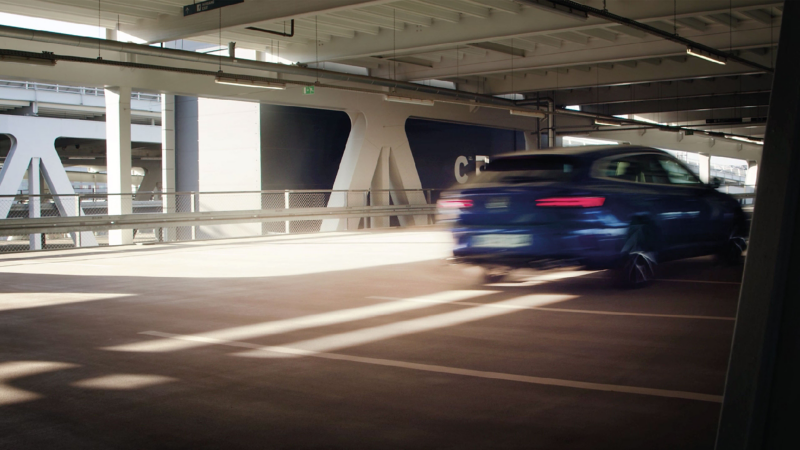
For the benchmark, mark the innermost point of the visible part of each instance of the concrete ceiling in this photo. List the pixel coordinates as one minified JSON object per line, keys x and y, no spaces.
{"x":486,"y":46}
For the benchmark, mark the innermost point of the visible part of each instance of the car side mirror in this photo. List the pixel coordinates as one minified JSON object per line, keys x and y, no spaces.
{"x":715,"y":182}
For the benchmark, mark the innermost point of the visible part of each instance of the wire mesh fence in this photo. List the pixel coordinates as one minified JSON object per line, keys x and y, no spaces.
{"x":24,"y":206}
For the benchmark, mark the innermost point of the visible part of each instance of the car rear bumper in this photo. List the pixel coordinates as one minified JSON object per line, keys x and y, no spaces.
{"x":534,"y":246}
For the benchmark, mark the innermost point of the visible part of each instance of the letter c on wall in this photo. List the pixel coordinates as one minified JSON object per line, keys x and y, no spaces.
{"x":461,"y":161}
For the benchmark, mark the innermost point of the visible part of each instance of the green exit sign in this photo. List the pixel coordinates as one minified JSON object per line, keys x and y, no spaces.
{"x":308,"y":90}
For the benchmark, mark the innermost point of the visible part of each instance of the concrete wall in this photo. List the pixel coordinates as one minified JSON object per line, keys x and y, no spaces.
{"x":436,"y":146}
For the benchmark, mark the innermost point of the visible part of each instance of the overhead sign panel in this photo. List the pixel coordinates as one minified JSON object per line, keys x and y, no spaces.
{"x":207,"y":5}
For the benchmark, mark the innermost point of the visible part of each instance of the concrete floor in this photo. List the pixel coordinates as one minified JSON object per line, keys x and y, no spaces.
{"x":352,"y":340}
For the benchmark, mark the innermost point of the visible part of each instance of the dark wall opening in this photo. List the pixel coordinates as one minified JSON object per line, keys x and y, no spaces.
{"x":301,"y":147}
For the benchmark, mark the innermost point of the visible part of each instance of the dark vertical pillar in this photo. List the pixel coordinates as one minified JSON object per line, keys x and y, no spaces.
{"x":762,"y":397}
{"x":187,"y":171}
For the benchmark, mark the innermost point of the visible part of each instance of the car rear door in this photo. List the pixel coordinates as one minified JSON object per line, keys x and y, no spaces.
{"x":647,"y":191}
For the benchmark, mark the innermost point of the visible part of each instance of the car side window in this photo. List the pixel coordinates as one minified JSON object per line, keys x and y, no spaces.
{"x":678,"y":174}
{"x":634,"y":168}
{"x":651,"y":170}
{"x":624,"y":169}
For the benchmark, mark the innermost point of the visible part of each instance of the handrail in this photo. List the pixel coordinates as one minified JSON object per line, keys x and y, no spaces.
{"x":160,"y":220}
{"x":272,"y":191}
{"x":83,"y":90}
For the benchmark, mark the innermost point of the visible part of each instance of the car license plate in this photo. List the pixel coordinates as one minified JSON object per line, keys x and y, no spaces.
{"x":501,"y":240}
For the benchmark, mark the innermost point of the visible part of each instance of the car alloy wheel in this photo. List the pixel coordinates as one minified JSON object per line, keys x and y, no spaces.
{"x":639,"y":265}
{"x":639,"y":269}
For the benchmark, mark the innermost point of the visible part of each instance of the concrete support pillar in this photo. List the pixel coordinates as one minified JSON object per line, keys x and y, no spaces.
{"x":752,"y":174}
{"x":379,"y":195}
{"x":34,"y":201}
{"x":531,"y":140}
{"x":229,"y":149}
{"x":150,"y":181}
{"x":371,"y":134}
{"x":118,"y":158}
{"x":762,"y":391}
{"x":27,"y":144}
{"x":168,"y":200}
{"x":705,"y":167}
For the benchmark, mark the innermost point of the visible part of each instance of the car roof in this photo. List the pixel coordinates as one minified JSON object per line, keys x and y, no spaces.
{"x":587,"y":151}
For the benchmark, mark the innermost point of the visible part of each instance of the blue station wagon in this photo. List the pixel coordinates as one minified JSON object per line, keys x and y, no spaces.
{"x":601,"y":207}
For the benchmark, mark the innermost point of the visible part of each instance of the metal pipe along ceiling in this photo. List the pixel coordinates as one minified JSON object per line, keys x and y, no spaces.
{"x":146,"y":50}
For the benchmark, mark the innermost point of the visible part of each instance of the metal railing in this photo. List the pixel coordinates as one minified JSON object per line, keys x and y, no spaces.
{"x":159,"y":217}
{"x":91,"y":91}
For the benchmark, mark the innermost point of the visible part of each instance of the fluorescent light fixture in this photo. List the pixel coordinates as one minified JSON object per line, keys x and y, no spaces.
{"x":745,"y":139}
{"x":705,"y":55}
{"x":233,"y":81}
{"x":82,"y":157}
{"x":607,"y":123}
{"x":526,"y":113}
{"x":409,"y":100}
{"x":28,"y":60}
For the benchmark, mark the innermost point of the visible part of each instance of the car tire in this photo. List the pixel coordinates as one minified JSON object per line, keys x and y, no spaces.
{"x":494,"y":274}
{"x":638,"y":267}
{"x":732,"y":254}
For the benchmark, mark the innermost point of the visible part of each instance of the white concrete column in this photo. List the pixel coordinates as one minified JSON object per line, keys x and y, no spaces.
{"x":36,"y":141}
{"x":118,"y":158}
{"x":168,"y":190}
{"x":34,"y":201}
{"x":705,"y":167}
{"x":751,"y":178}
{"x":379,"y":196}
{"x":531,"y":140}
{"x":229,"y":149}
{"x":370,"y":134}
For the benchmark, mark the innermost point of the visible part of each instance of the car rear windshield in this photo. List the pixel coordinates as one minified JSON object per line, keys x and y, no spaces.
{"x":529,"y":169}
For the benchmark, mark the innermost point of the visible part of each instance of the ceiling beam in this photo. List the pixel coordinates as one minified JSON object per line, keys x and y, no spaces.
{"x":600,"y":33}
{"x":544,"y":40}
{"x":498,"y":5}
{"x":370,"y":19}
{"x":572,"y":37}
{"x":693,"y":23}
{"x":705,"y":103}
{"x":428,"y":10}
{"x":170,"y":28}
{"x":468,"y":9}
{"x":631,"y":93}
{"x":492,"y":46}
{"x":725,"y":19}
{"x":518,"y":43}
{"x":348,"y":24}
{"x":759,"y":15}
{"x":398,"y":15}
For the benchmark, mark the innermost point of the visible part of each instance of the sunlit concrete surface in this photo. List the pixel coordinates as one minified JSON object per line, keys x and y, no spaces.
{"x":353,"y":340}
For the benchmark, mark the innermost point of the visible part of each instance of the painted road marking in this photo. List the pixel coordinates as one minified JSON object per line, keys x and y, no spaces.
{"x":697,"y":281}
{"x":468,"y":372}
{"x":299,"y":323}
{"x":580,"y":311}
{"x":413,"y":326}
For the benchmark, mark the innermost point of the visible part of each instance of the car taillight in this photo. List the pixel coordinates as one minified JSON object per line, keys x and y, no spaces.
{"x":454,"y":203}
{"x":571,"y":202}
